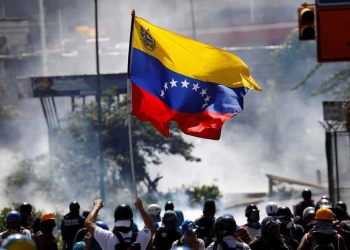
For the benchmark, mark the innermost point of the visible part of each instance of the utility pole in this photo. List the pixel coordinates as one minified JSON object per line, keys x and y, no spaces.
{"x":43,"y":36}
{"x":193,"y":21}
{"x":98,"y":99}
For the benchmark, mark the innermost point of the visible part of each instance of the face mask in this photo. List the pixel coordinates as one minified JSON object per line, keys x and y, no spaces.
{"x":254,"y":217}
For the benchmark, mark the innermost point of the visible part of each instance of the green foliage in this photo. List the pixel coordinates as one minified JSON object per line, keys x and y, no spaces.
{"x":297,"y":66}
{"x":199,"y":194}
{"x":7,"y":110}
{"x":74,"y":169}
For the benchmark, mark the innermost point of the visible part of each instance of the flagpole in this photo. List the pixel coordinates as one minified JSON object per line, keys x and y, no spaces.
{"x":129,"y":103}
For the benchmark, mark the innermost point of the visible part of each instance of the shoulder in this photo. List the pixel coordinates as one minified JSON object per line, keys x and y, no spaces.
{"x":211,"y":246}
{"x":79,"y":245}
{"x":245,"y":246}
{"x":200,"y":242}
{"x":145,"y":233}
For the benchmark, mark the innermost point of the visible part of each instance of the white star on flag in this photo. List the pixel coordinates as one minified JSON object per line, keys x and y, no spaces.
{"x":207,"y":98}
{"x":165,"y":85}
{"x":185,"y":83}
{"x":173,"y":83}
{"x":162,"y":93}
{"x":204,"y":105}
{"x":204,"y":92}
{"x":195,"y":87}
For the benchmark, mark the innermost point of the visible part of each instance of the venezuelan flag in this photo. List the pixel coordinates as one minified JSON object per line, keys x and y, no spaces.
{"x":178,"y":79}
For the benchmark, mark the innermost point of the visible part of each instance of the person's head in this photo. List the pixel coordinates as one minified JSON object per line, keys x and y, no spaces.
{"x":123,"y":218}
{"x":189,"y":229}
{"x":13,"y":221}
{"x":102,"y":225}
{"x":43,"y":83}
{"x":309,"y":214}
{"x":209,"y":207}
{"x":154,"y":211}
{"x":342,"y":205}
{"x":47,"y":222}
{"x":169,"y":219}
{"x":252,"y":213}
{"x":25,"y":210}
{"x":270,"y":228}
{"x":324,"y":216}
{"x":224,"y":226}
{"x":306,"y":194}
{"x":339,"y":213}
{"x":284,"y":215}
{"x":18,"y":241}
{"x":271,"y":208}
{"x":169,"y":205}
{"x":74,"y":207}
{"x":323,"y":203}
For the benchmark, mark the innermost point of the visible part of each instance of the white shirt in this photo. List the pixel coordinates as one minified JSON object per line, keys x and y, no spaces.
{"x":108,"y":240}
{"x":253,"y":232}
{"x":201,"y":245}
{"x":231,"y":242}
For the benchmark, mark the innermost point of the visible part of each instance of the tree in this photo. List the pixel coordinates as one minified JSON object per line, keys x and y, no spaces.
{"x":75,"y":165}
{"x":297,"y":63}
{"x":199,"y":194}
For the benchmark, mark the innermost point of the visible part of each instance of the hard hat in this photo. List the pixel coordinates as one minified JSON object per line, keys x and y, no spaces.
{"x":324,"y":213}
{"x":17,"y":242}
{"x":13,"y":216}
{"x":25,"y":207}
{"x":251,"y":208}
{"x":169,"y":206}
{"x":74,"y":206}
{"x":306,"y":194}
{"x":224,"y":225}
{"x":154,"y":209}
{"x":47,"y":216}
{"x":271,"y":208}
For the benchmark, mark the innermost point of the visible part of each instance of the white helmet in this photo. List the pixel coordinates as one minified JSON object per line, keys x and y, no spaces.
{"x":271,"y":208}
{"x":154,"y":209}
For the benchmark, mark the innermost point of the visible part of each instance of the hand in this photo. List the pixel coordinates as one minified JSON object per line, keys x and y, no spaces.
{"x":88,"y":238}
{"x":138,"y":204}
{"x":98,"y":203}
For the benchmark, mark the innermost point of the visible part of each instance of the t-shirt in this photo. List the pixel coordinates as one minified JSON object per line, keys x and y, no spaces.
{"x":108,"y":240}
{"x":25,"y":232}
{"x":231,"y":242}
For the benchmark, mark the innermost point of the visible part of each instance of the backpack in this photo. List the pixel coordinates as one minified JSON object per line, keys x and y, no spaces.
{"x":164,"y":238}
{"x":323,"y":241}
{"x":225,"y":246}
{"x":122,"y":245}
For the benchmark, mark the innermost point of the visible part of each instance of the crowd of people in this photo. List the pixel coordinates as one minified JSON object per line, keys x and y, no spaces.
{"x":311,"y":226}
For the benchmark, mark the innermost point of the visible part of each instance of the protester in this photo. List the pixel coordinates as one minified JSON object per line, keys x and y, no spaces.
{"x":121,"y":234}
{"x":71,"y":224}
{"x":89,"y":242}
{"x":154,"y":211}
{"x":44,"y":239}
{"x":167,"y":233}
{"x":13,"y":226}
{"x":206,"y":222}
{"x":241,"y":234}
{"x":189,"y":238}
{"x":270,"y":238}
{"x":225,"y":230}
{"x":323,"y":235}
{"x":25,"y":209}
{"x":306,"y":202}
{"x":169,"y":205}
{"x":253,"y":216}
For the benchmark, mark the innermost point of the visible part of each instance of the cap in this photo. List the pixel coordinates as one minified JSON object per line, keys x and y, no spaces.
{"x":188,"y":226}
